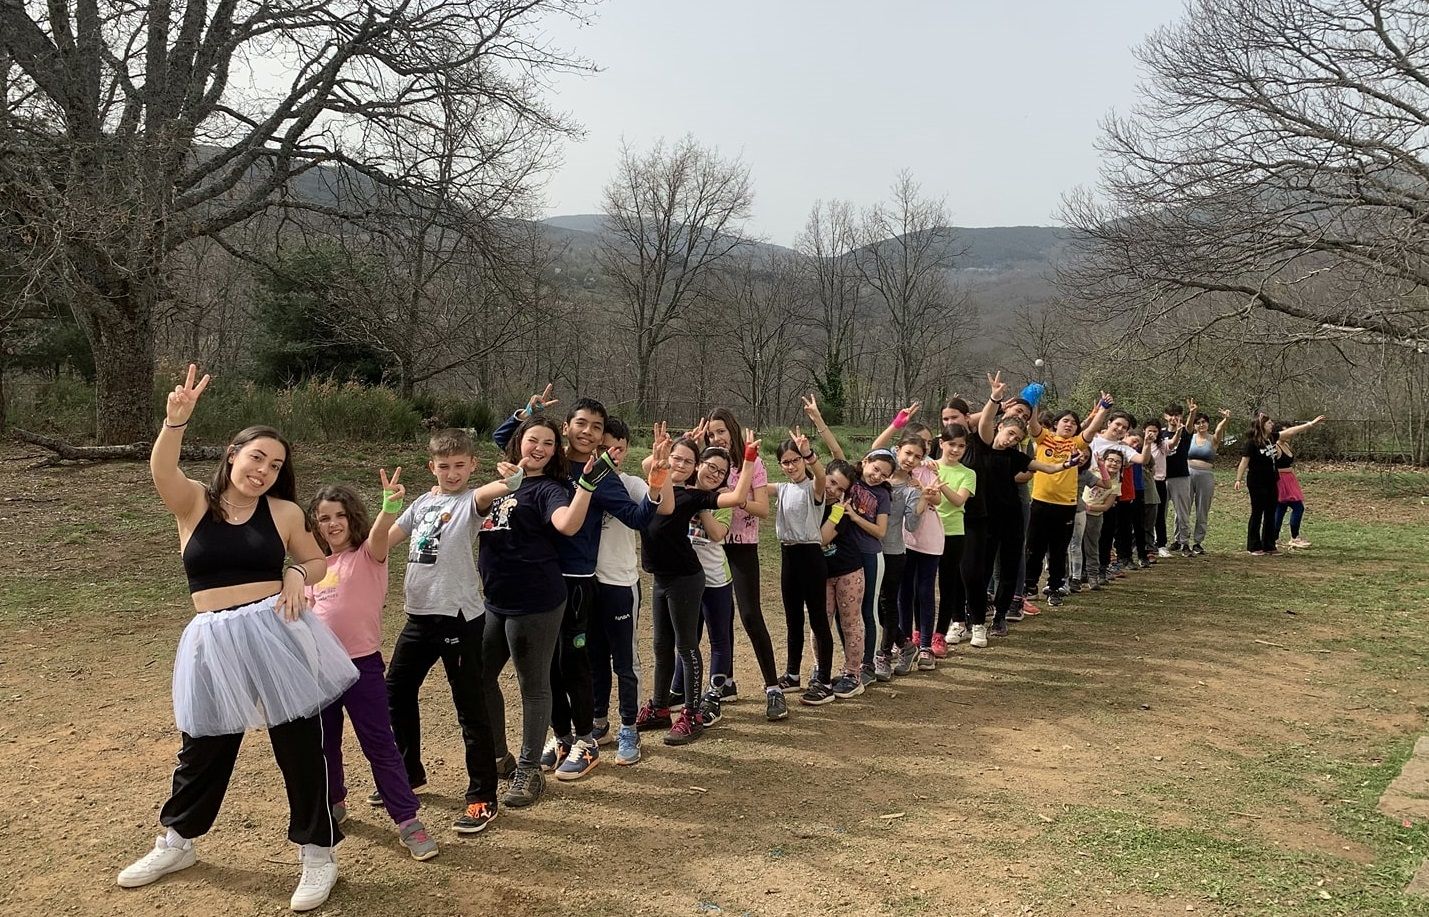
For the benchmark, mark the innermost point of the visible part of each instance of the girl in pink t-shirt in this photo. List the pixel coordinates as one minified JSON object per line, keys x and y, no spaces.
{"x":349,"y":601}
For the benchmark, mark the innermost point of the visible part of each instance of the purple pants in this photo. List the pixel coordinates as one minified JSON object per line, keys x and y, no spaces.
{"x":366,"y":705}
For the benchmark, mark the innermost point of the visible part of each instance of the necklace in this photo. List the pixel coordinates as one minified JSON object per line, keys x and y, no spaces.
{"x":223,"y":499}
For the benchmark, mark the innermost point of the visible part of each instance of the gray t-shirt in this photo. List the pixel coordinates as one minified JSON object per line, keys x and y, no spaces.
{"x":441,"y":566}
{"x":797,"y":518}
{"x":902,"y":514}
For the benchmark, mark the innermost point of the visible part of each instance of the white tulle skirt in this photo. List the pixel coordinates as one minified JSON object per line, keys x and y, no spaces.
{"x":249,"y":668}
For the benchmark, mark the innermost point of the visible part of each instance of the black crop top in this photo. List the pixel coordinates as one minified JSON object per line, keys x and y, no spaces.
{"x":1284,"y":459}
{"x":223,"y":554}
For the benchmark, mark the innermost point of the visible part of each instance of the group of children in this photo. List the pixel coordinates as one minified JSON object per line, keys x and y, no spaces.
{"x":929,"y":539}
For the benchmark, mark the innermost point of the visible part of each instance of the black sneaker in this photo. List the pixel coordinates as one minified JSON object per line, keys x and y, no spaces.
{"x":1185,"y":550}
{"x":1015,"y":613}
{"x":1197,"y":549}
{"x":506,"y":766}
{"x":866,"y":675}
{"x":999,"y":629}
{"x":1055,"y":600}
{"x":526,"y":788}
{"x":775,"y":706}
{"x":1175,"y":547}
{"x":789,"y":683}
{"x":601,"y":733}
{"x":817,"y":695}
{"x":846,"y":686}
{"x":728,"y":692}
{"x":476,"y":817}
{"x":710,"y":708}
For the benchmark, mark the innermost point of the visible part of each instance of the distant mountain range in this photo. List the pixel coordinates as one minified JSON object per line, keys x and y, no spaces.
{"x":1003,"y":266}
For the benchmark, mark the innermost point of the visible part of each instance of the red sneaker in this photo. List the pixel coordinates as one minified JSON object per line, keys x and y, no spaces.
{"x":940,"y":646}
{"x":652,"y":717}
{"x":686,"y":729}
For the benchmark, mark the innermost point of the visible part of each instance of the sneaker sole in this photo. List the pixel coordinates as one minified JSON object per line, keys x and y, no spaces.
{"x":838,"y":696}
{"x":468,"y":829}
{"x":376,"y":801}
{"x":512,"y":802}
{"x":424,"y":857}
{"x":682,"y":740}
{"x":782,"y":715}
{"x":627,"y":762}
{"x":817,"y":703}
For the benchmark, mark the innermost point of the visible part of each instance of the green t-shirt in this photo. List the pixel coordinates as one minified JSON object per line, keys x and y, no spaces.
{"x":956,"y":477}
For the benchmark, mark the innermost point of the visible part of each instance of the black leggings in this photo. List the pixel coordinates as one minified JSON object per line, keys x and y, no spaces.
{"x":1049,"y":534}
{"x":803,"y":583}
{"x":893,"y":635}
{"x":744,"y":568}
{"x":675,"y":602}
{"x":1161,"y":514}
{"x":952,"y":597}
{"x":572,"y":689}
{"x":974,"y":611}
{"x":1004,"y":540}
{"x":1116,"y":529}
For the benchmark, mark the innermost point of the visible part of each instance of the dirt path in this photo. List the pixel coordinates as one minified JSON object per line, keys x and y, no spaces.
{"x":987,"y":787}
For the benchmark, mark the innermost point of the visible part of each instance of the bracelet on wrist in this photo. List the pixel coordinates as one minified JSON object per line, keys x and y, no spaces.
{"x":811,"y":457}
{"x":302,"y":571}
{"x":175,"y":426}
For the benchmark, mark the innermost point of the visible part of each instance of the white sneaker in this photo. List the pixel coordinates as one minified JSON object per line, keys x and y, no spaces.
{"x":956,"y":633}
{"x":319,"y":876}
{"x":158,"y":862}
{"x":1162,"y":552}
{"x":979,"y":639}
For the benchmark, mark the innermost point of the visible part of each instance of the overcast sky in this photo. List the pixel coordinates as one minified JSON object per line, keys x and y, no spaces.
{"x":994,"y":105}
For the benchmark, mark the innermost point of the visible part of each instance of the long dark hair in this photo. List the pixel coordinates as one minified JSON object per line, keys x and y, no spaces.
{"x":736,"y":432}
{"x":1257,"y":433}
{"x":284,"y":486}
{"x":558,"y":467}
{"x":358,"y":521}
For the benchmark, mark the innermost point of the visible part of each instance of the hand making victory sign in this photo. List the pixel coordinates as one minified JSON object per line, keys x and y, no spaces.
{"x":184,"y":398}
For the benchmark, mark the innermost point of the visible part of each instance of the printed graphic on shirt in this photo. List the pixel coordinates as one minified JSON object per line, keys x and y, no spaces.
{"x":498,"y":518}
{"x":427,"y":536}
{"x":330,"y":581}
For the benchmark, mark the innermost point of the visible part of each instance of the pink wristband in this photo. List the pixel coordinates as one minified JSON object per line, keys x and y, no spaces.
{"x":900,"y":420}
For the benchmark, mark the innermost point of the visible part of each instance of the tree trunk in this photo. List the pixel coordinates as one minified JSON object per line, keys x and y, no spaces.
{"x":123,"y":344}
{"x":644,"y":358}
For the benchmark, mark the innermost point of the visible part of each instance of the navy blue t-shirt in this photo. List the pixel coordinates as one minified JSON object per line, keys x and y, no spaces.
{"x":843,"y":555}
{"x":520,"y":573}
{"x":665,"y":547}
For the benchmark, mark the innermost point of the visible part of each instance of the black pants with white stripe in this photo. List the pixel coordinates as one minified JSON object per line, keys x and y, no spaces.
{"x":206,"y":764}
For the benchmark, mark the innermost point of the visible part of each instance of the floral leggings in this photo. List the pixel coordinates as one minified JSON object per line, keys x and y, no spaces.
{"x":846,"y":594}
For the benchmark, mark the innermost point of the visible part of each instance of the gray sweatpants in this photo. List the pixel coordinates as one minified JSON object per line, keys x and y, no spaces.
{"x":1203,"y":488}
{"x":1091,"y":547}
{"x":529,"y":642}
{"x":1179,"y":490}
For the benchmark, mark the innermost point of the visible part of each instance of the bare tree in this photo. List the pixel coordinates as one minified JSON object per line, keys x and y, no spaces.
{"x":672,"y":215}
{"x":906,"y":253}
{"x":763,"y":315}
{"x":829,"y":245}
{"x":1277,"y":164}
{"x":133,"y":128}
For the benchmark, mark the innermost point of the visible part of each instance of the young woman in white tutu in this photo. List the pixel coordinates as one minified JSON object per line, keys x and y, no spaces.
{"x":253,"y":657}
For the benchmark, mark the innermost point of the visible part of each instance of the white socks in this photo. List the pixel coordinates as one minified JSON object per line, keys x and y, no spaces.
{"x":176,"y":841}
{"x":312,"y":853}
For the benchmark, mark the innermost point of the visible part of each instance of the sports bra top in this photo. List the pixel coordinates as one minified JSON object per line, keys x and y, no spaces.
{"x":1201,"y":449}
{"x":224,"y":554}
{"x":1284,"y":459}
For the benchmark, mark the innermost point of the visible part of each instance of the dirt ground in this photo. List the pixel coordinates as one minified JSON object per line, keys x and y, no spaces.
{"x":963,"y":791}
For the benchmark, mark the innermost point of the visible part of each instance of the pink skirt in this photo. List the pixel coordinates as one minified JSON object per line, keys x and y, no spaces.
{"x":1289,"y":487}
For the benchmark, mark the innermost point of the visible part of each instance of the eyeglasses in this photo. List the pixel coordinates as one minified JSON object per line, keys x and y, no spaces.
{"x":680,"y":460}
{"x":722,"y":469}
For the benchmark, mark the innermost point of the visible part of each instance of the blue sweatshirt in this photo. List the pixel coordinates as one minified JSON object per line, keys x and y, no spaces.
{"x":577,"y":553}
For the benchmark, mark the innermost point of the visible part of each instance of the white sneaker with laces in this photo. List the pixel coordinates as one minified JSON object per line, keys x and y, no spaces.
{"x":1162,"y":552}
{"x":979,"y":638}
{"x":319,"y":876}
{"x":157,"y":863}
{"x":956,"y":633}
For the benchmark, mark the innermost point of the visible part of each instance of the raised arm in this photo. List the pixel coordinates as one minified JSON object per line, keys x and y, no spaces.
{"x":379,"y":539}
{"x":657,"y":470}
{"x":811,"y":409}
{"x":987,"y":422}
{"x":183,"y":496}
{"x":891,"y":432}
{"x":1221,"y":428}
{"x":1300,"y":428}
{"x":1093,"y":424}
{"x":740,"y":495}
{"x":568,"y":519}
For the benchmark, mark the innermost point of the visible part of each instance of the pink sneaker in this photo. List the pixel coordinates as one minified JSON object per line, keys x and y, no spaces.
{"x":940,"y":646}
{"x":1029,"y":609}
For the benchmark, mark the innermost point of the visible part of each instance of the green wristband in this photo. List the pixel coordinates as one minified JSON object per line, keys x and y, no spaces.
{"x":391,"y":504}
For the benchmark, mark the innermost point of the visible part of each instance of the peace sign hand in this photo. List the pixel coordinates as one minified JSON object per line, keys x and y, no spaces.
{"x":800,"y":441}
{"x":1225,"y":413}
{"x":995,"y":386}
{"x":699,"y":431}
{"x":392,"y":491}
{"x":541,"y":400}
{"x":811,"y":408}
{"x":184,"y":397}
